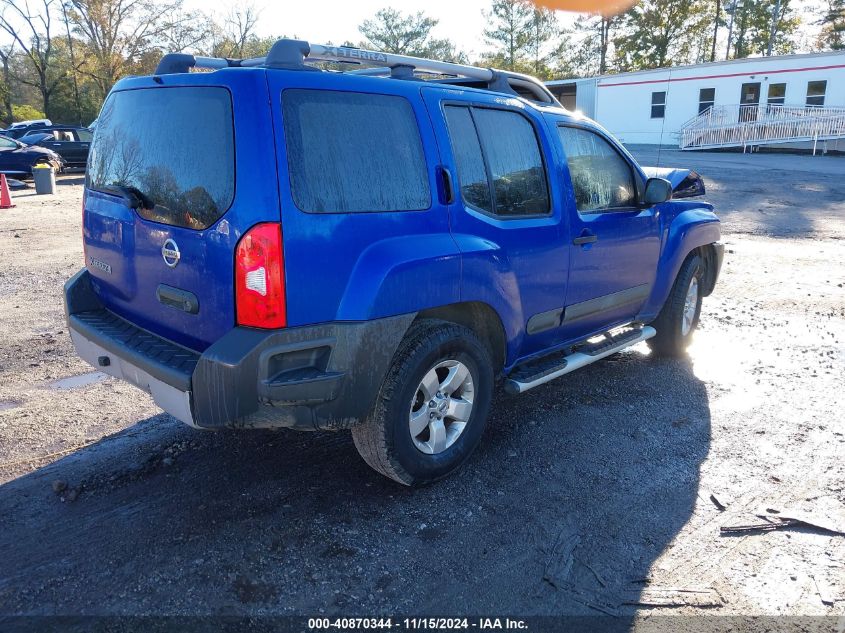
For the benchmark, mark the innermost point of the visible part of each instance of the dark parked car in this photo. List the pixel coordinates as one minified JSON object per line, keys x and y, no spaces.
{"x":18,"y":158}
{"x":20,"y":129}
{"x":71,"y":143}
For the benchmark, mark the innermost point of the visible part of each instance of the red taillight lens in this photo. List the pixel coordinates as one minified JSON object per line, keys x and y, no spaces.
{"x":259,"y":278}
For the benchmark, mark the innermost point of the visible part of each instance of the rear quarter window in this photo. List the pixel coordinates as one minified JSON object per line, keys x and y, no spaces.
{"x":172,"y":148}
{"x":353,"y":152}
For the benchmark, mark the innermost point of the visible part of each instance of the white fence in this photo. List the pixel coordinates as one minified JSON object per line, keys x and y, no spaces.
{"x":750,"y":125}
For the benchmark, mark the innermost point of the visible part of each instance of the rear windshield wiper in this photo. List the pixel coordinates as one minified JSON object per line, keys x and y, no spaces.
{"x":133,"y":197}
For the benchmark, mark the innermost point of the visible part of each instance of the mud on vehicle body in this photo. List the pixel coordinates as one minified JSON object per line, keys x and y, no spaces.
{"x":371,"y":251}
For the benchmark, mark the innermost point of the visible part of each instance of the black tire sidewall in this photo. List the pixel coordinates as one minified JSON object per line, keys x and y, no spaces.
{"x":692,"y":269}
{"x":421,"y":466}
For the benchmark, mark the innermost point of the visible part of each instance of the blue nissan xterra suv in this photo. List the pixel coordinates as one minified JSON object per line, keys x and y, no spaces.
{"x":277,"y":245}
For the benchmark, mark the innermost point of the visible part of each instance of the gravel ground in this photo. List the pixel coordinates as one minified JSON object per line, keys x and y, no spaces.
{"x":588,"y":495}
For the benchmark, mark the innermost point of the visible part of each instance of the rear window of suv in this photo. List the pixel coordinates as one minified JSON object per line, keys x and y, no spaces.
{"x":170,"y":149}
{"x":354,"y":152}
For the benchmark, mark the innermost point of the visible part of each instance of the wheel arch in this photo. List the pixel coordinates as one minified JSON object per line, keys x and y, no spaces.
{"x":710,"y":258}
{"x":479,"y":317}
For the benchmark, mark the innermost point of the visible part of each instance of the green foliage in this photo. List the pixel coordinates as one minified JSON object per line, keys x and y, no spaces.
{"x":525,"y":38}
{"x":392,"y":31}
{"x":65,"y":65}
{"x":832,"y":35}
{"x":25,"y":112}
{"x":595,"y":34}
{"x":659,"y":33}
{"x":753,"y":23}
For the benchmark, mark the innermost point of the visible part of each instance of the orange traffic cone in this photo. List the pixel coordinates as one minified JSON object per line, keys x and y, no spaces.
{"x":5,"y":198}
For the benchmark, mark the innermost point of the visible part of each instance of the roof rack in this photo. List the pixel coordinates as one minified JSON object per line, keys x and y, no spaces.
{"x":296,"y":54}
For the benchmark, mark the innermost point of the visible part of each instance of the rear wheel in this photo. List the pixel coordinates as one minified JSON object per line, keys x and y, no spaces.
{"x":433,"y":406}
{"x":679,"y":317}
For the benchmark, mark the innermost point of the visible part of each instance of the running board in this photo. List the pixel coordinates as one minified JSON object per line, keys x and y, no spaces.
{"x":521,"y":380}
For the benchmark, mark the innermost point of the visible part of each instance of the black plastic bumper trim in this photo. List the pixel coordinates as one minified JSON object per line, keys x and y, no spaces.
{"x":244,"y":379}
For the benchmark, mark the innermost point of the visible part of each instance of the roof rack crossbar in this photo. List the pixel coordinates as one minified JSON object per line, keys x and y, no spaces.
{"x":287,"y":53}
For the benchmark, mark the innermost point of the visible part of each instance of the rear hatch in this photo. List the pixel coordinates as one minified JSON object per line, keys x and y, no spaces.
{"x":165,"y":203}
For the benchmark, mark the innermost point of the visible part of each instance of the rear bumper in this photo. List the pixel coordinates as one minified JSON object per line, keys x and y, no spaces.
{"x":318,"y":377}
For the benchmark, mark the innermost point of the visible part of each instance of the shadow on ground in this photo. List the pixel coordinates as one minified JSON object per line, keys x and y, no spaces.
{"x":575,"y":490}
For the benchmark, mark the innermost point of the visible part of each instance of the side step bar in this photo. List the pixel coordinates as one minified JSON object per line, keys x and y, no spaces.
{"x":521,"y":381}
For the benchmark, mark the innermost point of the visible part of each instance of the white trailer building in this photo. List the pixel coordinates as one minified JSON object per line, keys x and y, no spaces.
{"x":789,"y":100}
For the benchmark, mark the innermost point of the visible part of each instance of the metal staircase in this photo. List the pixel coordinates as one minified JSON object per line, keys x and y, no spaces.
{"x":750,"y":126}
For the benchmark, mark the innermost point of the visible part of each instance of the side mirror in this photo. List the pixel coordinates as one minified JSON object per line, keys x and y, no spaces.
{"x":657,"y":190}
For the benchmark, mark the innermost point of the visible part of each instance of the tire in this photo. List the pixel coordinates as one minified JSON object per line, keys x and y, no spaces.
{"x":441,"y":445}
{"x":673,"y":332}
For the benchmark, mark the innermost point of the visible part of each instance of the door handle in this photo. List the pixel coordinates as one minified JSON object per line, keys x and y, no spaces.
{"x":448,"y":185}
{"x":585,"y":238}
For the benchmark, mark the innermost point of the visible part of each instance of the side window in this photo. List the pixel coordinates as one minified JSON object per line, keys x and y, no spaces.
{"x":601,"y":179}
{"x":815,"y":92}
{"x":777,"y":94}
{"x":85,"y":136}
{"x":472,"y":173}
{"x":658,"y":105}
{"x":514,"y":161}
{"x":500,"y":166}
{"x":706,"y":99}
{"x":6,"y":144}
{"x":354,"y":152}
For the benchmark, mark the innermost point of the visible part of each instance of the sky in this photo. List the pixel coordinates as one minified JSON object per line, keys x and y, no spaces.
{"x":337,"y":21}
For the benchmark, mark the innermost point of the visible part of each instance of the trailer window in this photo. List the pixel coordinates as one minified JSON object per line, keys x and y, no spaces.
{"x":815,"y":93}
{"x":706,"y":99}
{"x":658,"y":105}
{"x":777,"y":94}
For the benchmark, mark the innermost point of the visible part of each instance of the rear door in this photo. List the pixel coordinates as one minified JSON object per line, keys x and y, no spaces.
{"x":178,"y":172}
{"x":507,"y":216}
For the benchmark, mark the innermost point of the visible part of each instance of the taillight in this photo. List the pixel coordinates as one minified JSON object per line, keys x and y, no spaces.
{"x":259,"y":277}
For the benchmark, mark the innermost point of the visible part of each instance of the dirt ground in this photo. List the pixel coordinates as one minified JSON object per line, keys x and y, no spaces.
{"x":590,"y":495}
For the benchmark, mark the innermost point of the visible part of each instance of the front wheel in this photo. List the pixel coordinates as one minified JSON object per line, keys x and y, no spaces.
{"x":432,"y":408}
{"x":679,"y":317}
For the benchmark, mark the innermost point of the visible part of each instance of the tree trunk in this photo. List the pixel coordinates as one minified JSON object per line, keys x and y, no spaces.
{"x":605,"y":35}
{"x":7,"y":94}
{"x":716,"y":30}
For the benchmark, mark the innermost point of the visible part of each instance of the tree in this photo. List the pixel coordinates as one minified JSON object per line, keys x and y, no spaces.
{"x":6,"y":83}
{"x":392,"y":31}
{"x":596,"y":34}
{"x":238,"y":32}
{"x":25,"y":113}
{"x":35,"y":39}
{"x":659,"y":33}
{"x":832,"y":35}
{"x":753,"y":22}
{"x":544,"y":41}
{"x":526,"y":38}
{"x":188,"y":32}
{"x":118,"y":33}
{"x":717,"y":22}
{"x":509,"y":31}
